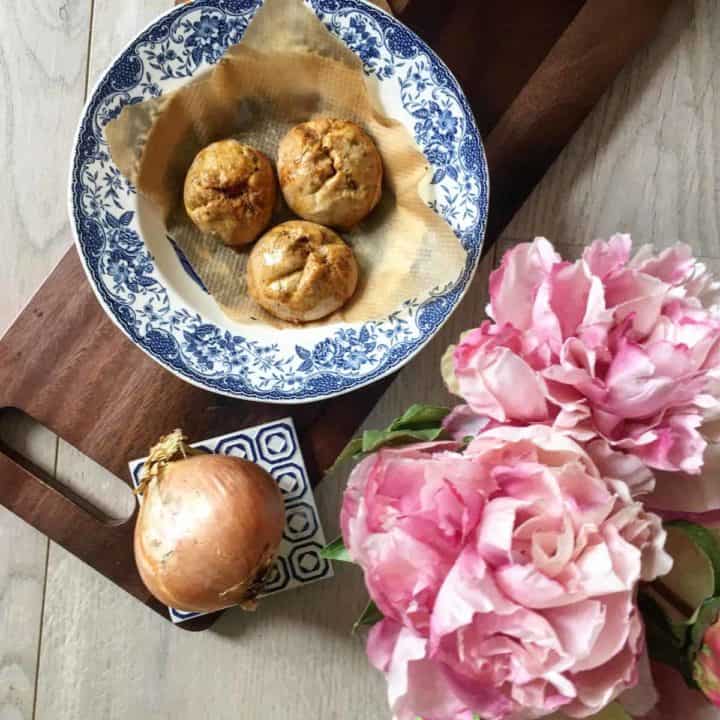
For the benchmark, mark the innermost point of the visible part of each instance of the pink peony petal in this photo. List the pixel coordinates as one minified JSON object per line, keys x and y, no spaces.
{"x":496,"y":530}
{"x":678,"y":446}
{"x":599,"y":574}
{"x":645,"y":531}
{"x":597,"y":688}
{"x":617,"y":609}
{"x":703,"y":286}
{"x":577,"y":626}
{"x":604,"y":258}
{"x":636,"y":297}
{"x":469,"y":589}
{"x":672,"y":266}
{"x":403,"y":576}
{"x":689,"y":493}
{"x":514,"y":284}
{"x":552,"y":551}
{"x":627,"y":468}
{"x":381,"y":643}
{"x":671,"y":360}
{"x":501,"y":385}
{"x":506,"y":574}
{"x":417,"y":686}
{"x":353,"y":515}
{"x":626,"y":559}
{"x":575,"y":420}
{"x":528,"y":587}
{"x":634,"y":390}
{"x":544,"y":322}
{"x":576,"y":298}
{"x":463,"y":422}
{"x":638,"y":701}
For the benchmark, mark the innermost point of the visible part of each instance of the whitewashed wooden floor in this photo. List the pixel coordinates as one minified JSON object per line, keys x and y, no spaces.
{"x":72,"y":646}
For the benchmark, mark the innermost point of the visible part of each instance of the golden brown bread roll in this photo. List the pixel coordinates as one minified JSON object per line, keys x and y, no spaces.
{"x":300,"y":271}
{"x":230,"y":191}
{"x":330,"y":172}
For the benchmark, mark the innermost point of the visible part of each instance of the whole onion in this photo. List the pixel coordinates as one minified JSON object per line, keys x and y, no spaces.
{"x":208,"y":528}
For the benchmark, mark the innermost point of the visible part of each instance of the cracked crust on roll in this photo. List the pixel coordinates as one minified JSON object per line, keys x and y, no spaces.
{"x":330,"y":172}
{"x":300,"y":271}
{"x":230,"y":192}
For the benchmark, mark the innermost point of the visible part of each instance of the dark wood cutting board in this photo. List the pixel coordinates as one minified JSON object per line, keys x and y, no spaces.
{"x":532,"y":71}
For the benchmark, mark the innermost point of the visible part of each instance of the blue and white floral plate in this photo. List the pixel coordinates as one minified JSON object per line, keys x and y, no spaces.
{"x":149,"y":290}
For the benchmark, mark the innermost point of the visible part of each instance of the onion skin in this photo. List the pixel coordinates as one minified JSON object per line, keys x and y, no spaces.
{"x":208,"y":528}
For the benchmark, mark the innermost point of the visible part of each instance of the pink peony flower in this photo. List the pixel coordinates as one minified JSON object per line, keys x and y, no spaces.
{"x":707,"y":664}
{"x":625,"y":352}
{"x":506,"y":573}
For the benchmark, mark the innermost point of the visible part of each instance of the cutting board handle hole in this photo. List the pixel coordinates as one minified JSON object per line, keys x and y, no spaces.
{"x":63,"y":467}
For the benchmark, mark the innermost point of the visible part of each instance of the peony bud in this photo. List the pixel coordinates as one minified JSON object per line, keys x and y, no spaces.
{"x":707,"y":664}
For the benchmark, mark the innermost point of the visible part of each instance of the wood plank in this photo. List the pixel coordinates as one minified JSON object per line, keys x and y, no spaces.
{"x":23,"y":557}
{"x":43,"y":51}
{"x":647,"y":160}
{"x":475,"y":39}
{"x":566,"y":86}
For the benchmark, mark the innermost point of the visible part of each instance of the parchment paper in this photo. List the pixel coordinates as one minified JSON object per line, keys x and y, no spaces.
{"x":287,"y":69}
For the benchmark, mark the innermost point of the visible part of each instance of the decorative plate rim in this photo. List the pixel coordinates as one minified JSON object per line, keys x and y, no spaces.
{"x":394,"y":357}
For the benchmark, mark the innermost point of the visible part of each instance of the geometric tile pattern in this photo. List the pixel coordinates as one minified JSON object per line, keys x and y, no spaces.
{"x":274,"y":446}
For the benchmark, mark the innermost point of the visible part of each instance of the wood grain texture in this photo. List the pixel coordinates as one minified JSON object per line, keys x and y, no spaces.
{"x":646,"y":161}
{"x":491,"y":47}
{"x":23,"y":557}
{"x":567,"y":84}
{"x":43,"y":52}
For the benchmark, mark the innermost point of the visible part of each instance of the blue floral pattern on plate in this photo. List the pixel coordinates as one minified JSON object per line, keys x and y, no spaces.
{"x":275,"y":447}
{"x":293,"y":366}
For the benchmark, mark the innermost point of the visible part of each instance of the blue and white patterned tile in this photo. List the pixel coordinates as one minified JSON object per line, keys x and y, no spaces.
{"x":275,"y":447}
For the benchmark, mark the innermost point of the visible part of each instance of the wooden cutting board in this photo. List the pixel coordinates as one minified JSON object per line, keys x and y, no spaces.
{"x":532,"y":71}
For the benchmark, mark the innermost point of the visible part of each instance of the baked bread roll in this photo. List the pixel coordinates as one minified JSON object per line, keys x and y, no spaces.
{"x":330,"y":172}
{"x":300,"y":271}
{"x":230,"y":191}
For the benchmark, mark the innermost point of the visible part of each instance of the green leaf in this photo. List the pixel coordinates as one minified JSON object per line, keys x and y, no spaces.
{"x":373,"y":440}
{"x":707,"y":615}
{"x":685,"y":596}
{"x":692,"y":578}
{"x":419,"y":423}
{"x":706,"y":542}
{"x":370,"y":615}
{"x":420,"y":417}
{"x":336,"y":550}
